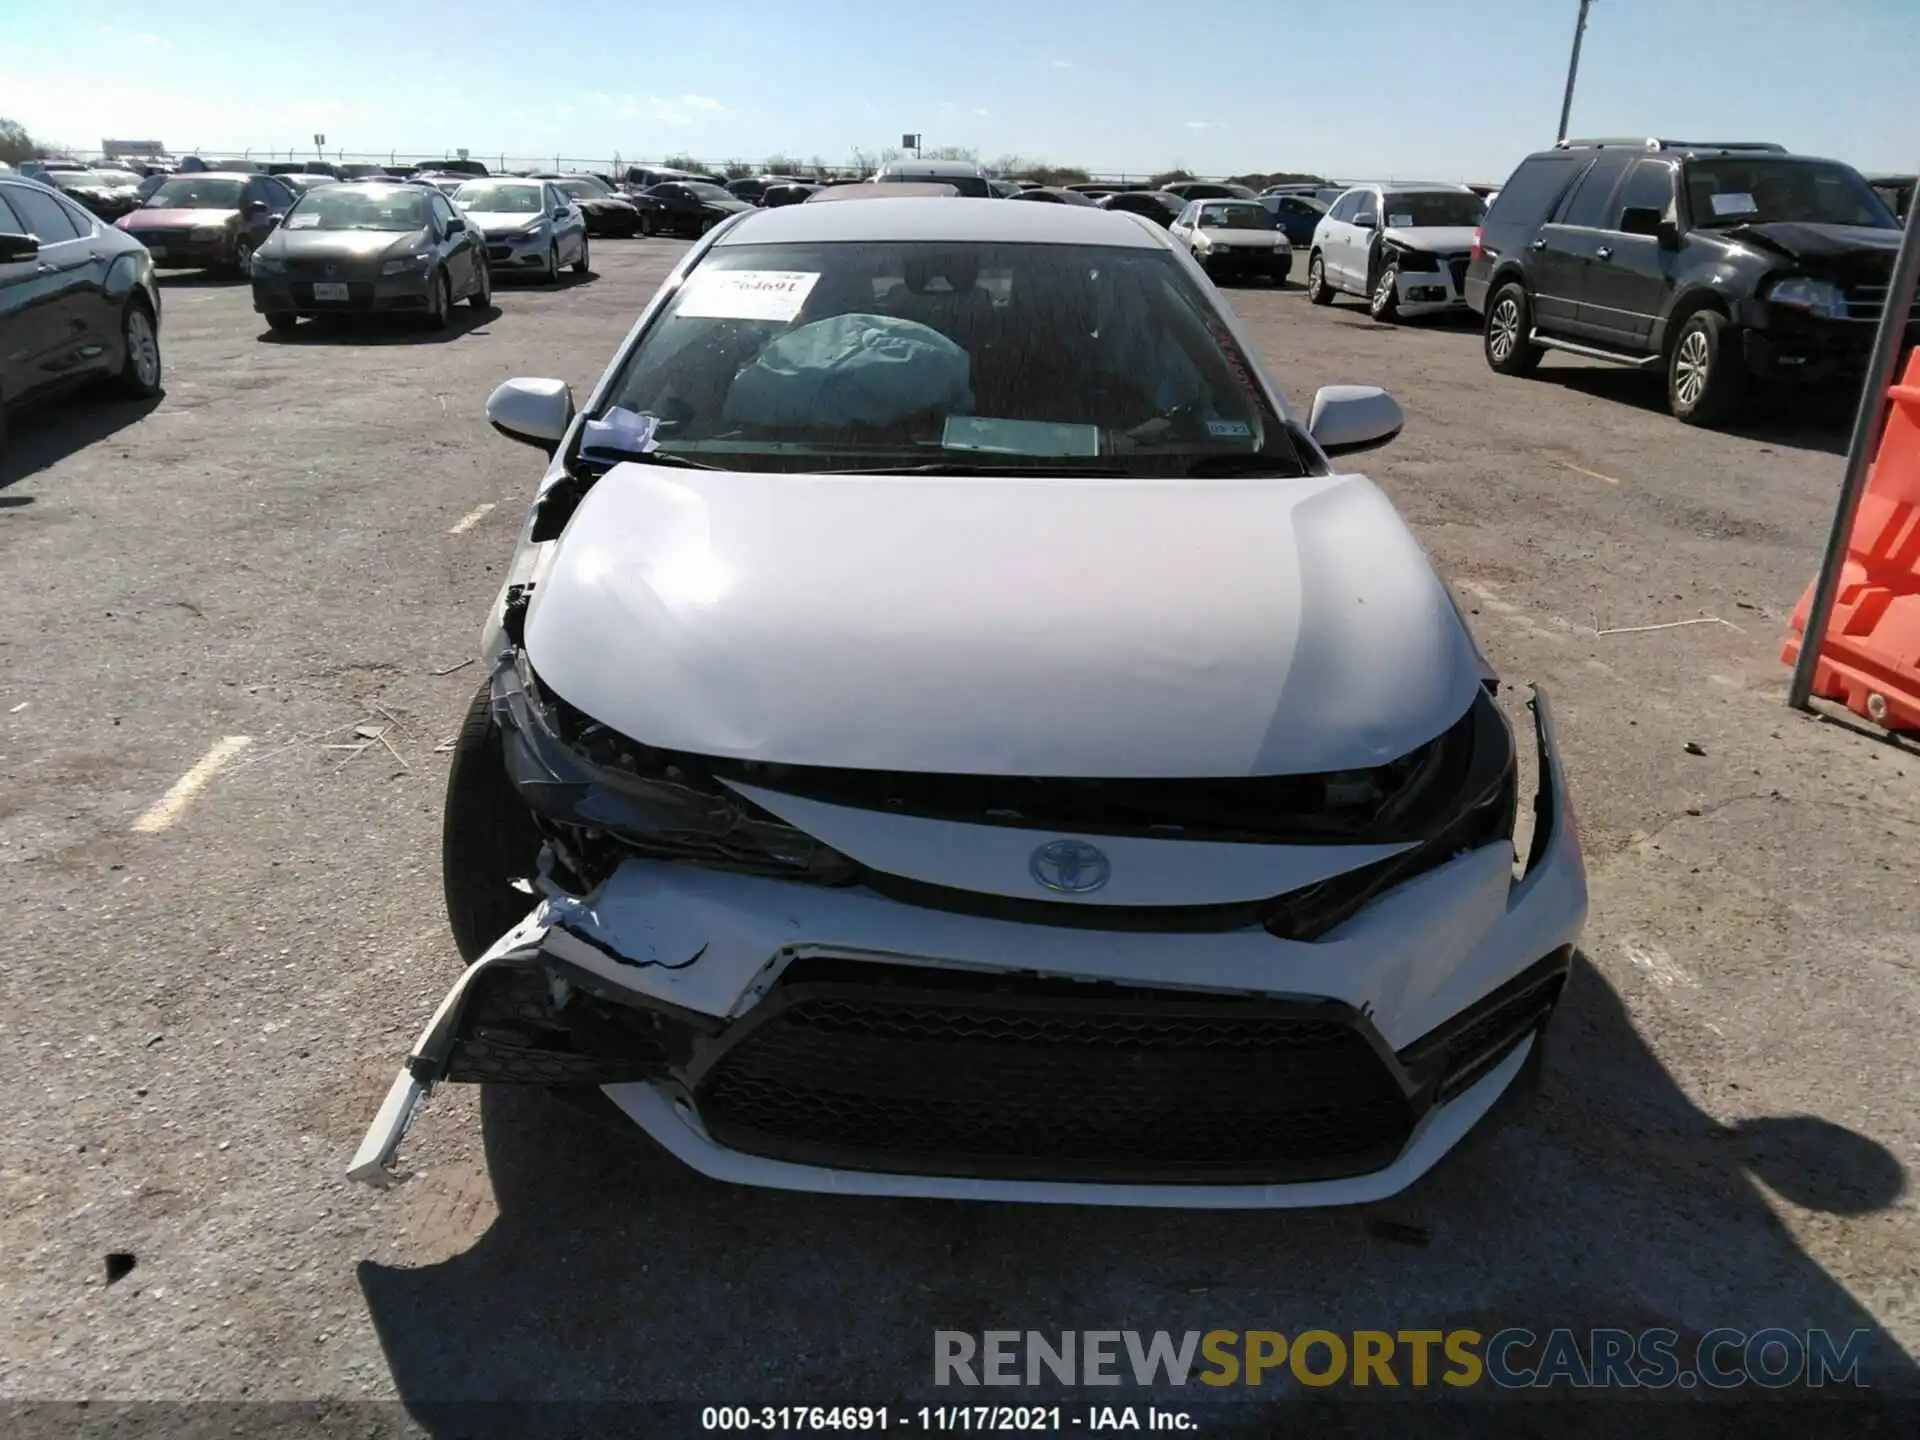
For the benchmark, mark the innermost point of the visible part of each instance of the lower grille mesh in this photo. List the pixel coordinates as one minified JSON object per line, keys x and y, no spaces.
{"x":1109,"y":1086}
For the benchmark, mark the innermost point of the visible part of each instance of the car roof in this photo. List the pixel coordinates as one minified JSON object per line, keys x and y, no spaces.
{"x":931,"y":167}
{"x":956,"y":218}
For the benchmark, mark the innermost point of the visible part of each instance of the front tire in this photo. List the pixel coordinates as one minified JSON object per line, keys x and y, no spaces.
{"x":1384,"y":303}
{"x":440,"y":306}
{"x":551,"y":275}
{"x":1318,"y":291}
{"x":584,"y":265}
{"x":488,"y":838}
{"x":1504,"y":337}
{"x":1706,"y":376}
{"x":282,"y":320}
{"x":139,"y":375}
{"x":243,"y":259}
{"x":482,"y":297}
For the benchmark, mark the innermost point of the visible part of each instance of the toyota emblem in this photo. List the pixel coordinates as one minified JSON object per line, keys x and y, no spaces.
{"x":1071,"y":867}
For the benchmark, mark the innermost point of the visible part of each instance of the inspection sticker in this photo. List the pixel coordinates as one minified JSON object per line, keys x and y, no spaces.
{"x":746,"y":294}
{"x":1739,"y":202}
{"x":1399,"y":221}
{"x":1229,"y":429}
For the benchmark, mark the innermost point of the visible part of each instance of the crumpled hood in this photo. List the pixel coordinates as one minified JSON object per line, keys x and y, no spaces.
{"x":177,"y":219}
{"x":1857,"y":246}
{"x":1440,"y":239}
{"x":989,"y":625}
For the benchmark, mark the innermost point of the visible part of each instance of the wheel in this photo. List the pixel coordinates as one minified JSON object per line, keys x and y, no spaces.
{"x":482,"y":297}
{"x":583,"y":266}
{"x":1318,"y":291}
{"x":1384,"y":303}
{"x":139,"y":373}
{"x":243,"y":258}
{"x":1509,"y":322}
{"x":487,"y":839}
{"x":646,"y":227}
{"x":439,"y":302}
{"x":1706,"y":376}
{"x":551,"y":275}
{"x":282,"y":320}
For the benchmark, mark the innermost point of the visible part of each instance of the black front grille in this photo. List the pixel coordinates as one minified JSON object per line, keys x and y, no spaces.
{"x":359,"y":292}
{"x":1457,"y":269}
{"x":499,"y":252}
{"x":937,"y":1072}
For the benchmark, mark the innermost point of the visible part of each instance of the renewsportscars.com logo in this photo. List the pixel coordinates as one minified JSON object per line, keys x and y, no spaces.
{"x":1514,"y":1358}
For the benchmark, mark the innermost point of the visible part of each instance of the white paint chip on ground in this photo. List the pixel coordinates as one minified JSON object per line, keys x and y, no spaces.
{"x":172,"y":805}
{"x":1657,"y":964}
{"x":472,"y":518}
{"x":1590,"y":474}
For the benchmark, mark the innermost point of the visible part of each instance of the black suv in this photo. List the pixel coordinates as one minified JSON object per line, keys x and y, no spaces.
{"x":1722,"y":263}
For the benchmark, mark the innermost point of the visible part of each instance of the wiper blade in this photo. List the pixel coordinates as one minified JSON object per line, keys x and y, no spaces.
{"x":1278,"y":467}
{"x":611,"y":458}
{"x":961,"y":467}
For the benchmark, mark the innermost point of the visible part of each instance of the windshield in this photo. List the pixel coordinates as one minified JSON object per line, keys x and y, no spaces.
{"x":968,"y":355}
{"x":197,"y":192}
{"x":583,"y":189}
{"x":399,"y":208}
{"x":1416,"y":209}
{"x":1236,"y":215}
{"x":1747,"y":192}
{"x":704,"y":191}
{"x":494,"y":198}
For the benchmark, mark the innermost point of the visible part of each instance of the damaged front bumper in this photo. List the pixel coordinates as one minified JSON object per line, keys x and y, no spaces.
{"x":830,"y":1039}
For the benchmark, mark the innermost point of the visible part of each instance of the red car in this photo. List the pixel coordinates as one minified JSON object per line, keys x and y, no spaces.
{"x":209,"y":221}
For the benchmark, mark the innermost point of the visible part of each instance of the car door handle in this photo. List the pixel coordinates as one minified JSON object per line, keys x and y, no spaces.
{"x":1605,"y":252}
{"x":1540,"y":244}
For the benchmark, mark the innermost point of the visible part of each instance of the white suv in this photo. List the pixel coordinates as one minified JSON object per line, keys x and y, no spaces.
{"x":1403,"y":247}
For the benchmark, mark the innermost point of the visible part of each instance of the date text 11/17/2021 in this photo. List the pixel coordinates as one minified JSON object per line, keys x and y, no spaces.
{"x":943,"y":1419}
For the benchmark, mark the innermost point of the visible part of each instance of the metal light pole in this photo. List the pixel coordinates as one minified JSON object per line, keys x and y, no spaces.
{"x":1887,"y":345}
{"x":1573,"y":69}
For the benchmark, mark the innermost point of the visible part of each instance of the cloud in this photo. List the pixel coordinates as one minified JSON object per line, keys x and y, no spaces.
{"x":701,"y":102}
{"x":1063,"y":64}
{"x":1204,"y":125}
{"x":983,"y":113}
{"x":129,"y":37}
{"x":676,"y":111}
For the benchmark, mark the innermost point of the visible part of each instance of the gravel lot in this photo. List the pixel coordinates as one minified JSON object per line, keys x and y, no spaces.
{"x":198,"y":1022}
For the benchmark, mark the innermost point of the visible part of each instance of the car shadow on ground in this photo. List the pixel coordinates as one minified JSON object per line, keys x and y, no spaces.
{"x":1607,"y":1198}
{"x":512,"y":280}
{"x":40,"y":438}
{"x":1805,"y":422}
{"x":397,"y":329}
{"x":199,"y":279}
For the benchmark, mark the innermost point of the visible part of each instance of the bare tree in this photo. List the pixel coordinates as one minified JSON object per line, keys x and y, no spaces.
{"x":953,"y":152}
{"x":781,"y":165}
{"x":16,"y":144}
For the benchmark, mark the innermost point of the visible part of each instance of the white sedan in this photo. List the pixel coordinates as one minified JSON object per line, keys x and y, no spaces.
{"x":1405,"y":249}
{"x":949,"y":731}
{"x":1239,"y":239}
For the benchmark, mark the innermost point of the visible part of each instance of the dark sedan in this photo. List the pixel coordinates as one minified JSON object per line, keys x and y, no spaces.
{"x":107,"y":192}
{"x":606,"y":212}
{"x":1297,"y":215}
{"x":1052,"y":195}
{"x":794,"y":192}
{"x":77,"y":301}
{"x":687,"y":207}
{"x":369,"y":246}
{"x":209,"y":221}
{"x":1157,"y":205}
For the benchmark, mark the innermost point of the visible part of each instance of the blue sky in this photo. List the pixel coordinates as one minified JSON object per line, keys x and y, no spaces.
{"x":1388,"y":87}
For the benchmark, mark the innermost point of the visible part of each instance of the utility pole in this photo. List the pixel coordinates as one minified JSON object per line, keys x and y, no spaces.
{"x":1573,"y":69}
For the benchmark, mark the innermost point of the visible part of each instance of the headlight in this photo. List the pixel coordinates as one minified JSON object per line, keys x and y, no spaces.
{"x":206,"y":232}
{"x":530,"y":229}
{"x":405,"y":263}
{"x":1816,"y":297}
{"x":571,"y":769}
{"x":1201,"y":242}
{"x":267,"y":265}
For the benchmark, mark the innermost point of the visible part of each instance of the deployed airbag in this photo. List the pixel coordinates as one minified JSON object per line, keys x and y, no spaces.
{"x":852,"y":370}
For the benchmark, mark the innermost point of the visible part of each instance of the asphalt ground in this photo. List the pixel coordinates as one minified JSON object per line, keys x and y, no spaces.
{"x":205,"y":999}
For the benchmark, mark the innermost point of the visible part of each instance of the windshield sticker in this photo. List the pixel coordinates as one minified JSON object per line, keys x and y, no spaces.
{"x":619,"y":432}
{"x":1229,"y":429}
{"x":1399,"y":220}
{"x":1738,"y":203}
{"x":1019,"y":437}
{"x":746,"y":294}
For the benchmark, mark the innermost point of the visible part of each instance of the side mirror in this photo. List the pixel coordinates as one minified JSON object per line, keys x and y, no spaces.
{"x":15,"y":248}
{"x":534,"y":412}
{"x":1668,"y":235}
{"x":1350,"y":418}
{"x":255,"y":207}
{"x":1365,"y":221}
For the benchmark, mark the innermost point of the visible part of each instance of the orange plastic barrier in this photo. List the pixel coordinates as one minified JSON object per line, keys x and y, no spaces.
{"x":1871,"y":658}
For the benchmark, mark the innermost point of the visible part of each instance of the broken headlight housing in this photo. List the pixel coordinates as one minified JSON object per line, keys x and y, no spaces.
{"x":576,"y":773}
